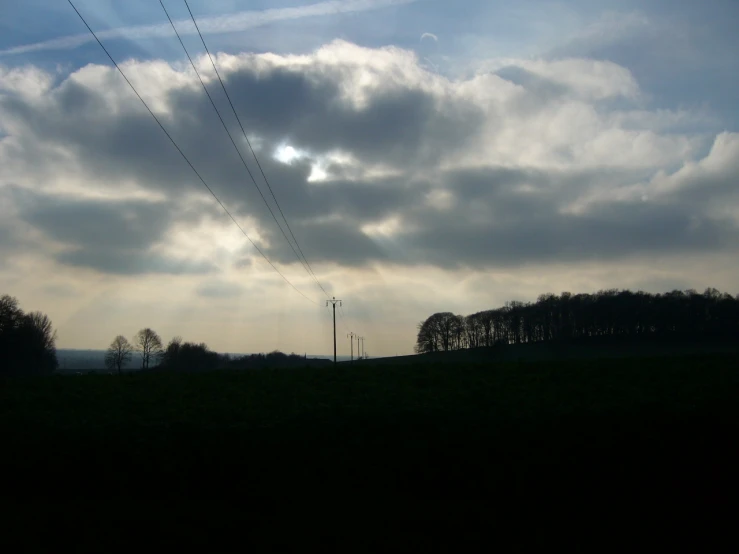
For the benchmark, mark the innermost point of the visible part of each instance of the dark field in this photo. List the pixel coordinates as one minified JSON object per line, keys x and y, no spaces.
{"x":384,"y":450}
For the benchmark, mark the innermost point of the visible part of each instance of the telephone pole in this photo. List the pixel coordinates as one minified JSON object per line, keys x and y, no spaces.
{"x":363,"y":354}
{"x":333,"y":302}
{"x":351,"y":342}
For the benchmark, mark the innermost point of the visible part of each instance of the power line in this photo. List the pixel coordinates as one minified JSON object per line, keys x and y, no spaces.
{"x":343,"y":319}
{"x":183,"y":154}
{"x":252,"y":149}
{"x":225,"y":127}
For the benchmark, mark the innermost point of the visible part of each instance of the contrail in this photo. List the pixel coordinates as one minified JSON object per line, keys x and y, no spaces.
{"x":230,"y":23}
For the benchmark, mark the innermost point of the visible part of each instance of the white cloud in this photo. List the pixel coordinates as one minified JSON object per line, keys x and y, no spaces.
{"x":29,"y":80}
{"x":590,"y":78}
{"x":711,"y":181}
{"x":587,"y":79}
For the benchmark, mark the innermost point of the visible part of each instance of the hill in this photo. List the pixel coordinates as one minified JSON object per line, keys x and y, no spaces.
{"x":590,"y":348}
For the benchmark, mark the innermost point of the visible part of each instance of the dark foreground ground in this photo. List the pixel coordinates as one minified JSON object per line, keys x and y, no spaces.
{"x":381,"y":457}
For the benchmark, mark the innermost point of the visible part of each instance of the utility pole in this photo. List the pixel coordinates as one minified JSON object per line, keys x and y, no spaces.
{"x":351,"y":342}
{"x":364,"y":356}
{"x":333,"y":302}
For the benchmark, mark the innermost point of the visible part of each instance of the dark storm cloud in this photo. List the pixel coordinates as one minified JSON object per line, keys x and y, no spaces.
{"x":109,"y":236}
{"x":337,"y":241}
{"x":307,"y":110}
{"x":303,"y":107}
{"x":120,"y":225}
{"x":495,"y":223}
{"x":127,"y":145}
{"x":606,"y":234}
{"x":396,"y":127}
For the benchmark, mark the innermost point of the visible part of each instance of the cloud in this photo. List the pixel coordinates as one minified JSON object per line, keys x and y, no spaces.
{"x":534,"y":164}
{"x":231,"y":23}
{"x":30,"y":81}
{"x":431,"y":36}
{"x":116,"y":237}
{"x":681,"y":57}
{"x":220,"y":289}
{"x":589,"y":79}
{"x":605,"y":233}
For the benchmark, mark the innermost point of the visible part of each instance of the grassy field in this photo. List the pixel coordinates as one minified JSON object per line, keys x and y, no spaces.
{"x":590,"y":348}
{"x":429,"y":445}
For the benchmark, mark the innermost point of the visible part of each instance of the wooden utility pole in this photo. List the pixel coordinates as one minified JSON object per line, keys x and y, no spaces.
{"x":333,"y":302}
{"x":363,"y":354}
{"x":351,"y":342}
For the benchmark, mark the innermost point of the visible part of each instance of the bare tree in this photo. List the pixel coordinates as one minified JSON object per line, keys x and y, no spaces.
{"x":148,"y":343}
{"x":42,"y":324}
{"x":119,"y":353}
{"x":10,"y":313}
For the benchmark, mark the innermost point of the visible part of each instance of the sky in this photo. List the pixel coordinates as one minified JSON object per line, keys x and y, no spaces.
{"x":427,"y":155}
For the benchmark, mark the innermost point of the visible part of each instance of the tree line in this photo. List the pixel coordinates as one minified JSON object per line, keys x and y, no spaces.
{"x":607,"y":313}
{"x":186,"y":356}
{"x":28,"y":347}
{"x":27,"y":341}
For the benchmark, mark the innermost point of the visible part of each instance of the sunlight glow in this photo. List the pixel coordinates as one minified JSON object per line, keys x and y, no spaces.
{"x":287,"y":154}
{"x":383,"y":229}
{"x":317,"y":174}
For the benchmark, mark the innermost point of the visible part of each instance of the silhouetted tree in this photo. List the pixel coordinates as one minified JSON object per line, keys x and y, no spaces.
{"x":189,"y":356}
{"x":171,"y":352}
{"x":119,"y":354}
{"x":27,"y":341}
{"x":427,"y":338}
{"x":149,"y":345}
{"x":441,"y":332}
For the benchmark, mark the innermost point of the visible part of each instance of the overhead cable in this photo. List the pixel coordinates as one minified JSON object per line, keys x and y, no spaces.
{"x":228,"y":96}
{"x":225,"y":127}
{"x":161,"y":126}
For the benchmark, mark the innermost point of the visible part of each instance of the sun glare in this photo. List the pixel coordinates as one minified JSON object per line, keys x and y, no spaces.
{"x":286,"y":154}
